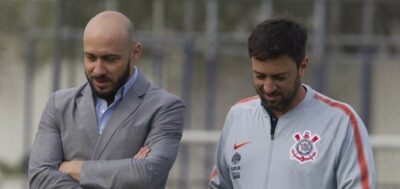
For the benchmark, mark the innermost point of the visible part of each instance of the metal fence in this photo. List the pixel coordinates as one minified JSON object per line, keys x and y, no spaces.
{"x":196,"y":49}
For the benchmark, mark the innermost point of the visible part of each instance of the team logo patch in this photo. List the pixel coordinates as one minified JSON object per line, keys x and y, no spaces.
{"x":304,"y":149}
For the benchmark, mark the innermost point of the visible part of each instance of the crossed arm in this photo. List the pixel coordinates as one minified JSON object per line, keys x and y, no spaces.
{"x":73,"y":167}
{"x":147,"y":169}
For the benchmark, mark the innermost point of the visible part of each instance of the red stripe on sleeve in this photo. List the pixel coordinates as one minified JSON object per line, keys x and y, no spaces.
{"x":357,"y":136}
{"x":214,"y":173}
{"x":248,"y":99}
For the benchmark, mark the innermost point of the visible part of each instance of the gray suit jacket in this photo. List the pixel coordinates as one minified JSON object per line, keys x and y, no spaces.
{"x":67,"y":130}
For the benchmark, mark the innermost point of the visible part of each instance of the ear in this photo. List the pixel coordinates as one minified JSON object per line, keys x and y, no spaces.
{"x":136,"y":50}
{"x":302,"y":66}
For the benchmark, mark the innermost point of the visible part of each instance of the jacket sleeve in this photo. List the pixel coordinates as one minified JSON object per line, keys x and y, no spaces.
{"x":150,"y":172}
{"x":47,"y":154}
{"x":356,"y":169}
{"x":220,"y":175}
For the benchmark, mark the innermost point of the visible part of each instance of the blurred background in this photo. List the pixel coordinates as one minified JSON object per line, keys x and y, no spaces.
{"x":197,"y":50}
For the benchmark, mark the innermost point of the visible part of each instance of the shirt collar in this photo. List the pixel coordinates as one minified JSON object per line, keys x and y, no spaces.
{"x":128,"y":85}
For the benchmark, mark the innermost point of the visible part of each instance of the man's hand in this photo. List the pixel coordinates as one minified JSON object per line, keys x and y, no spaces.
{"x":71,"y":168}
{"x":143,"y":152}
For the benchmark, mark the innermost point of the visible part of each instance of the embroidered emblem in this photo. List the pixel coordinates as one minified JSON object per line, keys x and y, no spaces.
{"x":235,"y":168}
{"x":237,"y":146}
{"x":304,"y":148}
{"x":236,"y":158}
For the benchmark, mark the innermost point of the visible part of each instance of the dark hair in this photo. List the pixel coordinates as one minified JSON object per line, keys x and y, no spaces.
{"x":276,"y":37}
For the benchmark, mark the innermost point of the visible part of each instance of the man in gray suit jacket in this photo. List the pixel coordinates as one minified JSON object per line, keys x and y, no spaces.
{"x":115,"y":131}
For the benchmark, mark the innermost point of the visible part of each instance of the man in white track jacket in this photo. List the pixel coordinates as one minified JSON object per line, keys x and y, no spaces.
{"x":290,"y":136}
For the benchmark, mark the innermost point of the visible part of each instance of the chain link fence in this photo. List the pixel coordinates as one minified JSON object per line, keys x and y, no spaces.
{"x":196,"y":49}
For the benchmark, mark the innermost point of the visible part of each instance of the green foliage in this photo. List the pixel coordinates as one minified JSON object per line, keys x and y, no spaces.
{"x":76,"y":13}
{"x":44,"y":14}
{"x":43,"y":52}
{"x":9,"y":170}
{"x":174,"y":14}
{"x":12,"y":18}
{"x":235,"y":14}
{"x":139,"y":11}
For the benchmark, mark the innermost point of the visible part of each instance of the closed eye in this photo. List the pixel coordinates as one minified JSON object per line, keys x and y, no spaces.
{"x":260,"y":76}
{"x":110,"y":58}
{"x":90,"y":57}
{"x":280,"y":78}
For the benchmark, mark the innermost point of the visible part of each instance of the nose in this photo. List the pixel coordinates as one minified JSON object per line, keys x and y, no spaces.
{"x":99,"y":68}
{"x":269,"y":86}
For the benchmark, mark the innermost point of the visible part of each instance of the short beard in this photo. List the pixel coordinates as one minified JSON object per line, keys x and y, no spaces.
{"x":284,"y":104}
{"x":109,"y":96}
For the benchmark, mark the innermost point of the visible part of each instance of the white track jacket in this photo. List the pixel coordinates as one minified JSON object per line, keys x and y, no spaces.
{"x":321,"y":143}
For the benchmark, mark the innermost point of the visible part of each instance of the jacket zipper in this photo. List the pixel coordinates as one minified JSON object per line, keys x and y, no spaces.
{"x":273,"y":131}
{"x":274,"y":122}
{"x":269,"y":162}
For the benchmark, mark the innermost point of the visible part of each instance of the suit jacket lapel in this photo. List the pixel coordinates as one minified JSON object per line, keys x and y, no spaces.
{"x":129,"y":103}
{"x":87,"y":115}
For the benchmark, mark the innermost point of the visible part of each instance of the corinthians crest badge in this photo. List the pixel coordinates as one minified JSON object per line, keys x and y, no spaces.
{"x":304,"y":149}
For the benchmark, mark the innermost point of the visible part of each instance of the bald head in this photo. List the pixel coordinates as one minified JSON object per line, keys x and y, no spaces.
{"x":110,"y":53}
{"x":110,"y":24}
